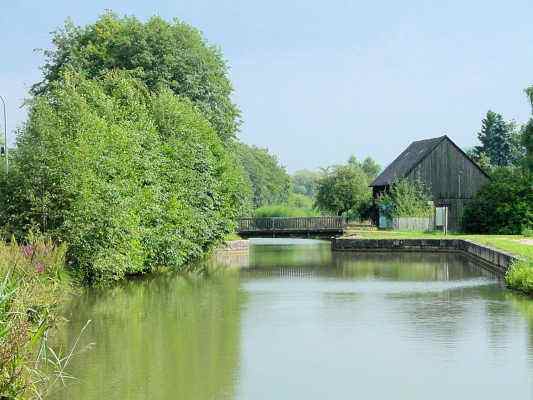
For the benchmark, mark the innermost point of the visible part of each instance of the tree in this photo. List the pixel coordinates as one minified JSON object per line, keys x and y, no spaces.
{"x":503,"y":206}
{"x":169,"y":54}
{"x":342,"y":189}
{"x":406,"y":198}
{"x":131,"y":180}
{"x":500,"y":140}
{"x":480,"y":158}
{"x":305,"y":182}
{"x":369,"y":166}
{"x":268,"y":180}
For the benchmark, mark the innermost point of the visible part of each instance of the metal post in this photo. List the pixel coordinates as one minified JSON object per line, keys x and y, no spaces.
{"x":5,"y":135}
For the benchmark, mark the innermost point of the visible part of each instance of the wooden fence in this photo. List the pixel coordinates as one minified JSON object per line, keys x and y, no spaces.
{"x":300,"y":224}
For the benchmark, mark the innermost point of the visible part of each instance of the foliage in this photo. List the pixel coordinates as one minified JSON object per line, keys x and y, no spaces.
{"x":130,"y":179}
{"x":161,"y":54}
{"x":504,"y":205}
{"x":283,"y":210}
{"x":298,"y":205}
{"x":268,"y":180}
{"x":33,"y":283}
{"x":406,"y":198}
{"x":300,"y":201}
{"x":343,"y":188}
{"x":369,"y":166}
{"x":480,"y":158}
{"x":520,"y":276}
{"x":305,"y":182}
{"x":500,"y":141}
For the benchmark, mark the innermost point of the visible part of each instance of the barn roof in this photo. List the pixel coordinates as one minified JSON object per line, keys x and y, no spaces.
{"x":406,"y":161}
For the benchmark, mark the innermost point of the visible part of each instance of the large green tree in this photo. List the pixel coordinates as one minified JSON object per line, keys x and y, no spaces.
{"x":268,"y":180}
{"x":130,"y":179}
{"x":343,"y":189}
{"x":500,"y":141}
{"x":160,"y":53}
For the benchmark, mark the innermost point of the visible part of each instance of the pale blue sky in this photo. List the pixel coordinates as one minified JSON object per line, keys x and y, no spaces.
{"x":320,"y":80}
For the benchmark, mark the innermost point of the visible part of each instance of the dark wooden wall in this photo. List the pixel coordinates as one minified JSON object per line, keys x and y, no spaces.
{"x":452,"y":178}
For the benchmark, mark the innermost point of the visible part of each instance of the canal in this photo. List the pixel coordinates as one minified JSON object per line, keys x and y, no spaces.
{"x":296,"y":321}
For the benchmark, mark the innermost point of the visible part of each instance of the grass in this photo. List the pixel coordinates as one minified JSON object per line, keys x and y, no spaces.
{"x":519,"y":276}
{"x":33,"y":283}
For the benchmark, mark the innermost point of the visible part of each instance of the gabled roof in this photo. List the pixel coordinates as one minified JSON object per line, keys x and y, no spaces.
{"x":406,"y":161}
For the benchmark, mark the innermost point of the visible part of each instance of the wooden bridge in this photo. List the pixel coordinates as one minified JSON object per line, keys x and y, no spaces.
{"x":292,"y":227}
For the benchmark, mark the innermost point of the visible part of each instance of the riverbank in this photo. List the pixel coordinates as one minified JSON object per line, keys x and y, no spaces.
{"x":520,"y":274}
{"x":33,"y":284}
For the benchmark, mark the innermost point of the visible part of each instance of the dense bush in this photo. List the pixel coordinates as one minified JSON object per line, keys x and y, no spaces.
{"x":504,"y":206}
{"x":406,"y":198}
{"x":283,"y":210}
{"x":298,"y":205}
{"x":520,"y":276}
{"x":130,"y":179}
{"x":162,"y":54}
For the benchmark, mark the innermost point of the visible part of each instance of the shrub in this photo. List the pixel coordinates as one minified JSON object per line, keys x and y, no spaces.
{"x":283,"y":210}
{"x":406,"y":198}
{"x":520,"y":276}
{"x":503,"y":206}
{"x":130,"y":179}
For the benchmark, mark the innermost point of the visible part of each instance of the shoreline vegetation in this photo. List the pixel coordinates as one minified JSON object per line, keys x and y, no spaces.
{"x":34,"y":283}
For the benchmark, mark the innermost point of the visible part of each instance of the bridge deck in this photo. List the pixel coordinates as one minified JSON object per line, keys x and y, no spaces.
{"x":291,"y":226}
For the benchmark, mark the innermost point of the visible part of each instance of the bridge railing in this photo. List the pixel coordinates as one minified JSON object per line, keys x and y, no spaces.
{"x":292,"y":224}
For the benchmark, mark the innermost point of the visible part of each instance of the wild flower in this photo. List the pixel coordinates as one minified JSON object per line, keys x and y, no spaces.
{"x":28,"y":250}
{"x":39,"y":267}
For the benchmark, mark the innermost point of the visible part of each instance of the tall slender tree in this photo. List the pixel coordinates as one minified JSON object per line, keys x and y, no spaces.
{"x":500,"y":140}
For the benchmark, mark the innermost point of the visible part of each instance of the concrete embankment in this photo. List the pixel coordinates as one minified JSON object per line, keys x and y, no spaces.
{"x":487,"y":257}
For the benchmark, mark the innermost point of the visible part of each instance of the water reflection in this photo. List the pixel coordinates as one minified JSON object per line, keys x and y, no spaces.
{"x":164,"y":338}
{"x":298,"y":321}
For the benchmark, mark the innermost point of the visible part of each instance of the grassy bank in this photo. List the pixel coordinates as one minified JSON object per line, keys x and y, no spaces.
{"x":519,"y":277}
{"x":33,"y":283}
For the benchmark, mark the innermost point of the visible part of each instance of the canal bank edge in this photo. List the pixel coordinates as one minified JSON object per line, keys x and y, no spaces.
{"x":488,"y":257}
{"x":235,"y":246}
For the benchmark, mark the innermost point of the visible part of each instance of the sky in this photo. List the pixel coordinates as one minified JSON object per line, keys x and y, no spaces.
{"x":318,"y":81}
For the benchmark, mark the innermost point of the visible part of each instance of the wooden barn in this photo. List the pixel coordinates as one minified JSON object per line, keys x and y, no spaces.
{"x":450,"y":174}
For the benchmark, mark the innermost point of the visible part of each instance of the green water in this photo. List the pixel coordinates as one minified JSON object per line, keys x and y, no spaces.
{"x":300,"y":322}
